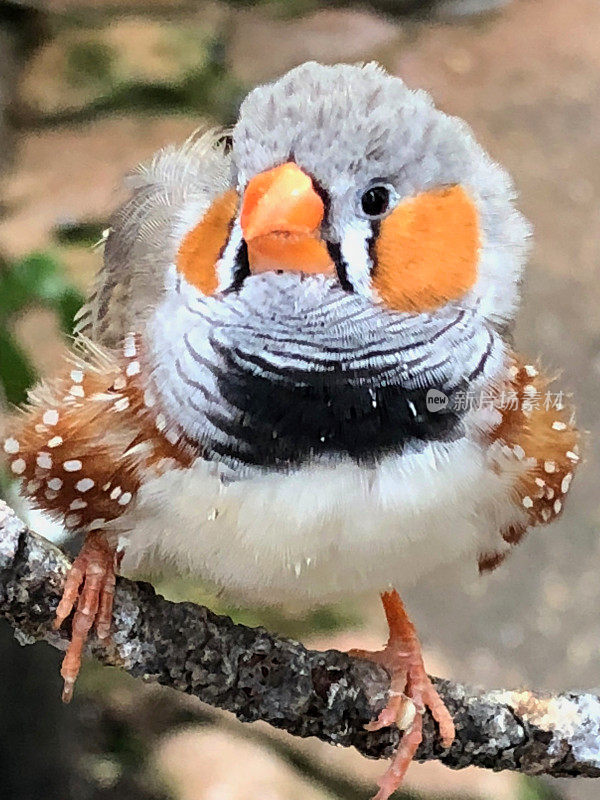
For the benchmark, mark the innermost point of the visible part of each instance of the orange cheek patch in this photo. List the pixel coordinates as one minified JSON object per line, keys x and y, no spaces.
{"x":202,"y":247}
{"x":427,"y":250}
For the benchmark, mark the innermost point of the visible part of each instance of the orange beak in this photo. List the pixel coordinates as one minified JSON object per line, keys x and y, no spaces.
{"x":281,"y":218}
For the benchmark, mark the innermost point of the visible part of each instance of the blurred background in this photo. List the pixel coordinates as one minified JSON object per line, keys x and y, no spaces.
{"x":88,"y":88}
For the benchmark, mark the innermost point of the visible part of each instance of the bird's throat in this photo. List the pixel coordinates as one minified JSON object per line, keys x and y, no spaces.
{"x":282,"y":251}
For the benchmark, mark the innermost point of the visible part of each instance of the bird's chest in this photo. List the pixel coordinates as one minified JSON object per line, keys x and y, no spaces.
{"x":319,"y":533}
{"x":286,"y":373}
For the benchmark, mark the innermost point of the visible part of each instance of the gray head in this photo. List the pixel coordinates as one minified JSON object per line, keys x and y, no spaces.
{"x":352,"y":127}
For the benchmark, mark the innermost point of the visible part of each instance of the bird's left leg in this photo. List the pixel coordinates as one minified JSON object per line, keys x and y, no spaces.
{"x":411,"y":692}
{"x":90,"y":589}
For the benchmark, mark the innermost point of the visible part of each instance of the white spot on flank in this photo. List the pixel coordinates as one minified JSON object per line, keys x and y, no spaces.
{"x":519,"y":452}
{"x":106,"y":487}
{"x":72,"y":520}
{"x":527,"y":502}
{"x":120,"y":383}
{"x":56,"y":441}
{"x":76,"y":376}
{"x":96,"y":523}
{"x":559,"y":426}
{"x":40,"y":428}
{"x":149,"y":399}
{"x":50,"y":495}
{"x":84,"y":485}
{"x":572,"y":456}
{"x":550,"y":466}
{"x":129,"y":348}
{"x":74,"y":465}
{"x":132,"y":369}
{"x":160,"y":422}
{"x":55,"y":484}
{"x":122,"y":404}
{"x":78,"y":504}
{"x":513,"y":371}
{"x":50,"y":417}
{"x":557,"y":506}
{"x":531,"y":370}
{"x":33,"y":486}
{"x":546,"y":514}
{"x":138,"y":449}
{"x":549,"y":492}
{"x":172,"y":437}
{"x":77,"y":391}
{"x":11,"y":446}
{"x":125,"y":498}
{"x":44,"y":461}
{"x":18,"y":466}
{"x":540,"y":482}
{"x":115,"y":493}
{"x":566,"y":482}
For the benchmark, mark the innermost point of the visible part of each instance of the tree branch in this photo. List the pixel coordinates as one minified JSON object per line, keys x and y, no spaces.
{"x":260,"y":676}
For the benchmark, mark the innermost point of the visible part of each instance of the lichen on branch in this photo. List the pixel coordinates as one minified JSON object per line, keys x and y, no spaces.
{"x":257,"y":675}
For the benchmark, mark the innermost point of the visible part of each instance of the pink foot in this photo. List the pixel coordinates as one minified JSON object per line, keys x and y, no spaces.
{"x":90,"y":586}
{"x":411,"y":692}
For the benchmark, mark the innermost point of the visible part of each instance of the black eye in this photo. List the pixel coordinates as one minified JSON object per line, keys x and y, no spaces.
{"x":375,"y":201}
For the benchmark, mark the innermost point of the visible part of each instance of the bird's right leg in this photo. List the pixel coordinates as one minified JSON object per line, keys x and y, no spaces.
{"x":82,"y":449}
{"x":90,"y":589}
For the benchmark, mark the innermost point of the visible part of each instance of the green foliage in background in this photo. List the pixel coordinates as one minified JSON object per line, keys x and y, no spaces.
{"x":203,"y":86}
{"x":37,"y":280}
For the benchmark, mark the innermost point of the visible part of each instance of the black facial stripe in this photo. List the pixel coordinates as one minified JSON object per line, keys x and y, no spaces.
{"x":333,"y":248}
{"x":241,"y":267}
{"x":230,"y":226}
{"x":325,"y":199}
{"x":372,"y":243}
{"x":335,"y":252}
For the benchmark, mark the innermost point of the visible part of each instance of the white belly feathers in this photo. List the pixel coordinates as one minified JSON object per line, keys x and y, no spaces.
{"x":320,"y":533}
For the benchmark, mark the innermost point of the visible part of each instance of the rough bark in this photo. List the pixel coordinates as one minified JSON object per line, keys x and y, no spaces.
{"x":257,"y":675}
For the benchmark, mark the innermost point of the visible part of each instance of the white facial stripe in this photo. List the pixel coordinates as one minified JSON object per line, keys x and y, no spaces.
{"x":355,"y":252}
{"x":226,"y":264}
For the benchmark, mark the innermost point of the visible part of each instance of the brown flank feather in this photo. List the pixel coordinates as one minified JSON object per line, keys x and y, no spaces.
{"x":88,"y":439}
{"x":539,"y":430}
